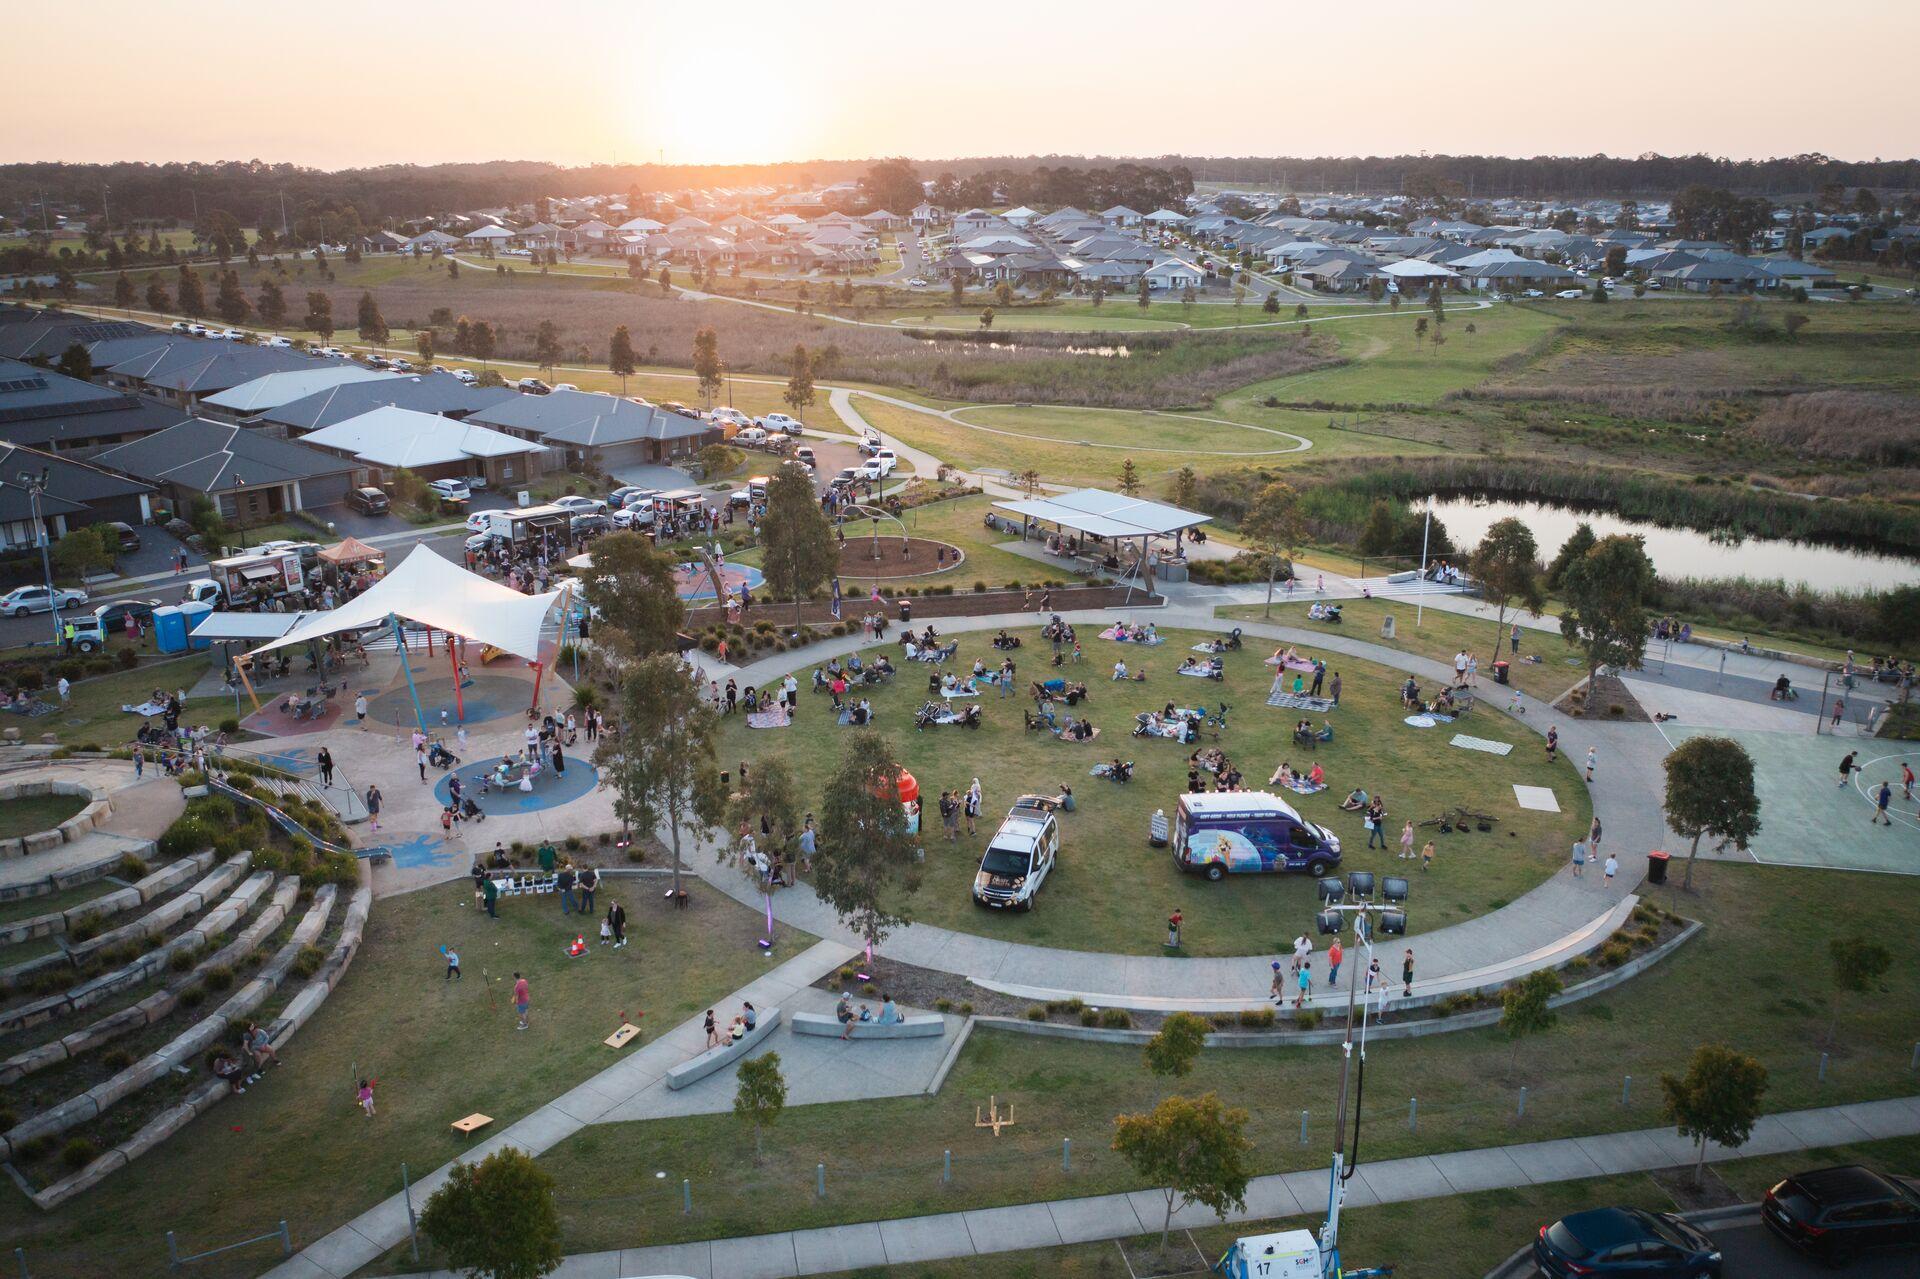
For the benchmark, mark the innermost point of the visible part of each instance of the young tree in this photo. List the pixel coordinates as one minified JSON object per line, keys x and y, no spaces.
{"x":660,"y":761}
{"x":463,"y":335}
{"x":1129,"y":477}
{"x":1142,"y":294}
{"x":123,"y":294}
{"x":771,"y":793}
{"x":1099,"y":293}
{"x":1173,"y":1049}
{"x":272,"y":304}
{"x":706,"y":362}
{"x":453,"y":268}
{"x":1710,"y":792}
{"x":158,"y":299}
{"x":1858,"y":965}
{"x":1188,"y":297}
{"x":866,"y":859}
{"x":546,"y":346}
{"x":986,"y":318}
{"x":423,"y":345}
{"x":75,"y":362}
{"x":1605,"y":611}
{"x":1506,"y":565}
{"x":762,"y":1094}
{"x":632,"y":592}
{"x":319,"y":316}
{"x":483,"y":340}
{"x":799,"y":392}
{"x":192,"y":297}
{"x":1526,"y":1008}
{"x":83,"y":551}
{"x":1003,"y":293}
{"x":799,"y":552}
{"x":1029,"y":481}
{"x":1186,"y":488}
{"x":620,"y":356}
{"x":230,"y":303}
{"x":1717,"y":1100}
{"x":1271,"y":304}
{"x":1578,"y":543}
{"x":371,"y":324}
{"x":1274,"y":526}
{"x":496,"y":1218}
{"x":957,"y":289}
{"x":1193,"y":1147}
{"x":666,"y":281}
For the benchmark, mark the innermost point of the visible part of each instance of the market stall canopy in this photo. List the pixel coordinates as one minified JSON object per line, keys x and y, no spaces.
{"x":437,"y":593}
{"x":1099,"y":513}
{"x":351,"y":551}
{"x":248,"y":626}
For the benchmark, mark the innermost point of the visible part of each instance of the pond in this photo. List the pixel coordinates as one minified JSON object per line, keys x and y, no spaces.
{"x":1681,"y":552}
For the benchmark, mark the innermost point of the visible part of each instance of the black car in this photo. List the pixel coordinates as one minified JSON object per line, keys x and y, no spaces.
{"x":1837,"y":1213}
{"x":128,"y":538}
{"x":590,"y":524}
{"x":114,"y":616}
{"x":1625,"y":1241}
{"x":368,"y":501}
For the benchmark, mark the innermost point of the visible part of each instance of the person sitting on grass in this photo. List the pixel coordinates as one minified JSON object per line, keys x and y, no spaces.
{"x":1355,"y":801}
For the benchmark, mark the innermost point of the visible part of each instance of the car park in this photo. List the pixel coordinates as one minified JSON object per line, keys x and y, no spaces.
{"x":1241,"y":832}
{"x":532,"y":386}
{"x":368,"y":501}
{"x":1837,"y":1214}
{"x":782,"y":423}
{"x":1019,"y":856}
{"x":22,"y":600}
{"x":1624,"y":1241}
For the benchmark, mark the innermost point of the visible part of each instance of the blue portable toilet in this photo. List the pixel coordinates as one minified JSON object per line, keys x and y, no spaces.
{"x":195,"y":612}
{"x":170,"y":629}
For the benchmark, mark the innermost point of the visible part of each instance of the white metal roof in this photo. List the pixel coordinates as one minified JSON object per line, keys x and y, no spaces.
{"x":223,"y":626}
{"x":393,"y":436}
{"x":275,"y":389}
{"x":1102,"y":514}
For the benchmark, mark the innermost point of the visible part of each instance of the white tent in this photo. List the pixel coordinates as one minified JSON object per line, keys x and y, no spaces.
{"x":437,"y":593}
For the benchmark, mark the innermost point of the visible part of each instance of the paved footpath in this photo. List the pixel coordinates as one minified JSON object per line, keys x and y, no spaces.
{"x":1019,"y":1227}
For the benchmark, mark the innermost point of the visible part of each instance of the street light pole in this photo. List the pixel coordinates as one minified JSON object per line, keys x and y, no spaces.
{"x":36,"y":486}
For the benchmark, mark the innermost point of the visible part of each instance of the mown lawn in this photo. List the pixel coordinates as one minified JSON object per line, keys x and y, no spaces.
{"x":1111,"y":892}
{"x":29,"y":815}
{"x":296,"y":1147}
{"x":92,"y":714}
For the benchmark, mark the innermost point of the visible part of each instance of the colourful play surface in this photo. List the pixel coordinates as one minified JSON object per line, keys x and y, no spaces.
{"x":550,"y":789}
{"x":695,"y":583}
{"x":486,"y":697}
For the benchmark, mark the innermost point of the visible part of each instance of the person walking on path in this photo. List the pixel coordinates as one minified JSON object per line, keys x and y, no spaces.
{"x":360,"y":709}
{"x":1612,"y":867}
{"x":453,"y":964}
{"x":374,"y":802}
{"x":1334,"y":956}
{"x":1302,"y":951}
{"x":1304,"y":985}
{"x":1406,"y":974}
{"x":140,"y":766}
{"x":1579,"y":858}
{"x":1846,"y":768}
{"x":1406,"y":841}
{"x":1881,"y":798}
{"x":1277,"y":989}
{"x":1333,"y":689}
{"x":1593,"y":753}
{"x":1906,"y":781}
{"x":523,"y":999}
{"x":1553,"y":742}
{"x":325,"y":760}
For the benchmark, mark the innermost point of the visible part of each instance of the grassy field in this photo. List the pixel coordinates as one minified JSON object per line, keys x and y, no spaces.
{"x":295,"y":1147}
{"x":37,"y":813}
{"x":1110,"y":891}
{"x":1111,"y":319}
{"x":93,"y":715}
{"x":1748,"y":981}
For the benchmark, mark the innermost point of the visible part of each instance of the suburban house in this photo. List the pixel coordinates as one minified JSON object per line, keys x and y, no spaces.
{"x":1728,"y":275}
{"x":926,"y":215}
{"x":1175,"y":274}
{"x":50,"y":411}
{"x":271,"y":390}
{"x":497,"y":236}
{"x":28,"y":333}
{"x":251,"y":477}
{"x":1165,"y":219}
{"x":76,"y":494}
{"x":383,"y":441}
{"x":882,"y":220}
{"x":440,"y":393}
{"x":185,"y":370}
{"x":383,"y":242}
{"x":1515,"y":273}
{"x":976,"y":222}
{"x":1339,"y":274}
{"x":1120,"y":215}
{"x":607,"y":431}
{"x":428,"y":241}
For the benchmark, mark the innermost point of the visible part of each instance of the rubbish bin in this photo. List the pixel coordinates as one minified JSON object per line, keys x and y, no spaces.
{"x":1499,"y":672}
{"x":906,"y":610}
{"x":1657,"y":867}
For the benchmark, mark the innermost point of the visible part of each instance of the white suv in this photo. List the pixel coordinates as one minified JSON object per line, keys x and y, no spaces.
{"x":782,"y":423}
{"x":1019,"y":856}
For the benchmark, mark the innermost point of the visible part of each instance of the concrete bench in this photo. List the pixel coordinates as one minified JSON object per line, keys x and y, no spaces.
{"x":713,"y":1059}
{"x":930,"y":1026}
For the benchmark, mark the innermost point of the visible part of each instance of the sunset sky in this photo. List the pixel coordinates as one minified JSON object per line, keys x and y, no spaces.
{"x":579,"y":81}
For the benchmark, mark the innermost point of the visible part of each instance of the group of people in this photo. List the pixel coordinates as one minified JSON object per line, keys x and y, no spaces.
{"x":243,"y":1068}
{"x":1212,"y":760}
{"x":743,"y":1023}
{"x":780,"y":693}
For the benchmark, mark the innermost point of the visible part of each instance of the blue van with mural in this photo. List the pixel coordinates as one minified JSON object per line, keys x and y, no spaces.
{"x":1249,"y":832}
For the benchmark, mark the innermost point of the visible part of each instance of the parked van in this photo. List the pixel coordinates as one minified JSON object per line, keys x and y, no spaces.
{"x":1019,"y":856}
{"x":1242,"y":832}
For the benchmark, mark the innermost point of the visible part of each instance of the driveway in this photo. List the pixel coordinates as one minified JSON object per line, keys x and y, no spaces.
{"x":1751,"y":1252}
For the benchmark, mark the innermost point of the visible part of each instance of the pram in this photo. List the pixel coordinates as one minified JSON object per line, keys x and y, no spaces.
{"x":933,"y":714}
{"x":1118,"y":771}
{"x":470,"y":811}
{"x":439,"y":756}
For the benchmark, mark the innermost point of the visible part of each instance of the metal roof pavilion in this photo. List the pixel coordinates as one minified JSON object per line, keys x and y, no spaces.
{"x":1098,"y":513}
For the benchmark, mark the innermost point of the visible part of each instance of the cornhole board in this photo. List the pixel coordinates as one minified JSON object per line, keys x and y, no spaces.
{"x":621,"y":1037}
{"x":472,"y":1123}
{"x":1537,"y":798}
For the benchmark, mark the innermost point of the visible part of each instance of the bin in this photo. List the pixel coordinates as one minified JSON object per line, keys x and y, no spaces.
{"x":906,"y":610}
{"x":1657,"y":867}
{"x":1499,"y":672}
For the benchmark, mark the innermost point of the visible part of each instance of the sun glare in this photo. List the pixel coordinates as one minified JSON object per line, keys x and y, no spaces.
{"x":696,"y":117}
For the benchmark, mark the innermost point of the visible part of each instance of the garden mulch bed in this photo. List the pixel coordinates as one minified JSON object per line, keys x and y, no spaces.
{"x":1610,"y":697}
{"x":917,"y":987}
{"x":897,"y":556}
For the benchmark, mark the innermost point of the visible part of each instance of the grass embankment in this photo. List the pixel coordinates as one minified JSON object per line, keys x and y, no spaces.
{"x":29,"y":815}
{"x":1111,"y":892}
{"x":296,"y":1146}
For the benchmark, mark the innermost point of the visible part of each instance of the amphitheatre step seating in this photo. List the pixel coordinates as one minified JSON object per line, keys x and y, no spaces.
{"x":183,"y":1049}
{"x":96,"y":811}
{"x":282,"y":1028}
{"x":158,"y":884}
{"x":713,"y":1059}
{"x":94,"y":855}
{"x":906,"y":1028}
{"x":161,"y":1002}
{"x":214,"y":923}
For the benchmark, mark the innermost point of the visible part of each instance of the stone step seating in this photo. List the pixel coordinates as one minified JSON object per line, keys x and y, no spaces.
{"x":95,"y":855}
{"x":158,"y":884}
{"x":214,"y":924}
{"x":930,"y":1026}
{"x":98,"y":810}
{"x":343,"y":800}
{"x":184,"y":1049}
{"x":161,"y":1002}
{"x":726,"y":1054}
{"x":209,"y":1094}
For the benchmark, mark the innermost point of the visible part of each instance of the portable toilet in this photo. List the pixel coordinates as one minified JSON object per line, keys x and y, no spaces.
{"x":170,"y":629}
{"x":196,"y":612}
{"x":1285,"y":1254}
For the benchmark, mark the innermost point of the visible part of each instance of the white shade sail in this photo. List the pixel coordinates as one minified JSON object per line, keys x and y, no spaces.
{"x":435,"y":592}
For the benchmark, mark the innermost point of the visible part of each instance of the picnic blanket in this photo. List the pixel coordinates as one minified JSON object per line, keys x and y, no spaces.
{"x":845,"y":719}
{"x":1480,"y":744}
{"x":1303,"y":786}
{"x":951,"y":717}
{"x":1300,"y":702}
{"x":775,"y":718}
{"x":1292,"y":664}
{"x":1169,"y":730}
{"x":146,"y":708}
{"x":1211,"y":646}
{"x":961,"y":689}
{"x":1113,"y":633}
{"x":1421,"y":721}
{"x":1203,"y":672}
{"x":1061,"y":734}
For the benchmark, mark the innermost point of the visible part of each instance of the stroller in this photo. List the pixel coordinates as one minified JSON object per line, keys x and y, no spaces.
{"x":1118,"y":771}
{"x":1230,"y":641}
{"x":470,"y":811}
{"x":439,"y":756}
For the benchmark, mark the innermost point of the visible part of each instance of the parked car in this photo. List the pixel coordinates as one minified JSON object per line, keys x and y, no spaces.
{"x":477,"y":483}
{"x":637,"y":515}
{"x":1624,"y":1241}
{"x":368,"y":501}
{"x":782,"y":423}
{"x":479,"y":542}
{"x":581,"y":505}
{"x":1244,"y":832}
{"x":751,"y":437}
{"x":126,"y":535}
{"x":466,"y":377}
{"x":848,"y":476}
{"x":804,"y":455}
{"x":1019,"y":856}
{"x":478,"y":521}
{"x":533,"y":386}
{"x":450,"y":490}
{"x":114,"y":616}
{"x":1532,"y":293}
{"x":1835,"y":1214}
{"x":732,"y":417}
{"x":626,"y":493}
{"x":589,"y":524}
{"x":227,"y":335}
{"x":565,"y":386}
{"x":22,"y":600}
{"x":675,"y":407}
{"x":181,"y":326}
{"x":887,"y":460}
{"x":870,"y":442}
{"x":275,"y":340}
{"x":1571,"y":294}
{"x":870,"y":470}
{"x":916,"y":283}
{"x":330,"y":352}
{"x":399,"y":365}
